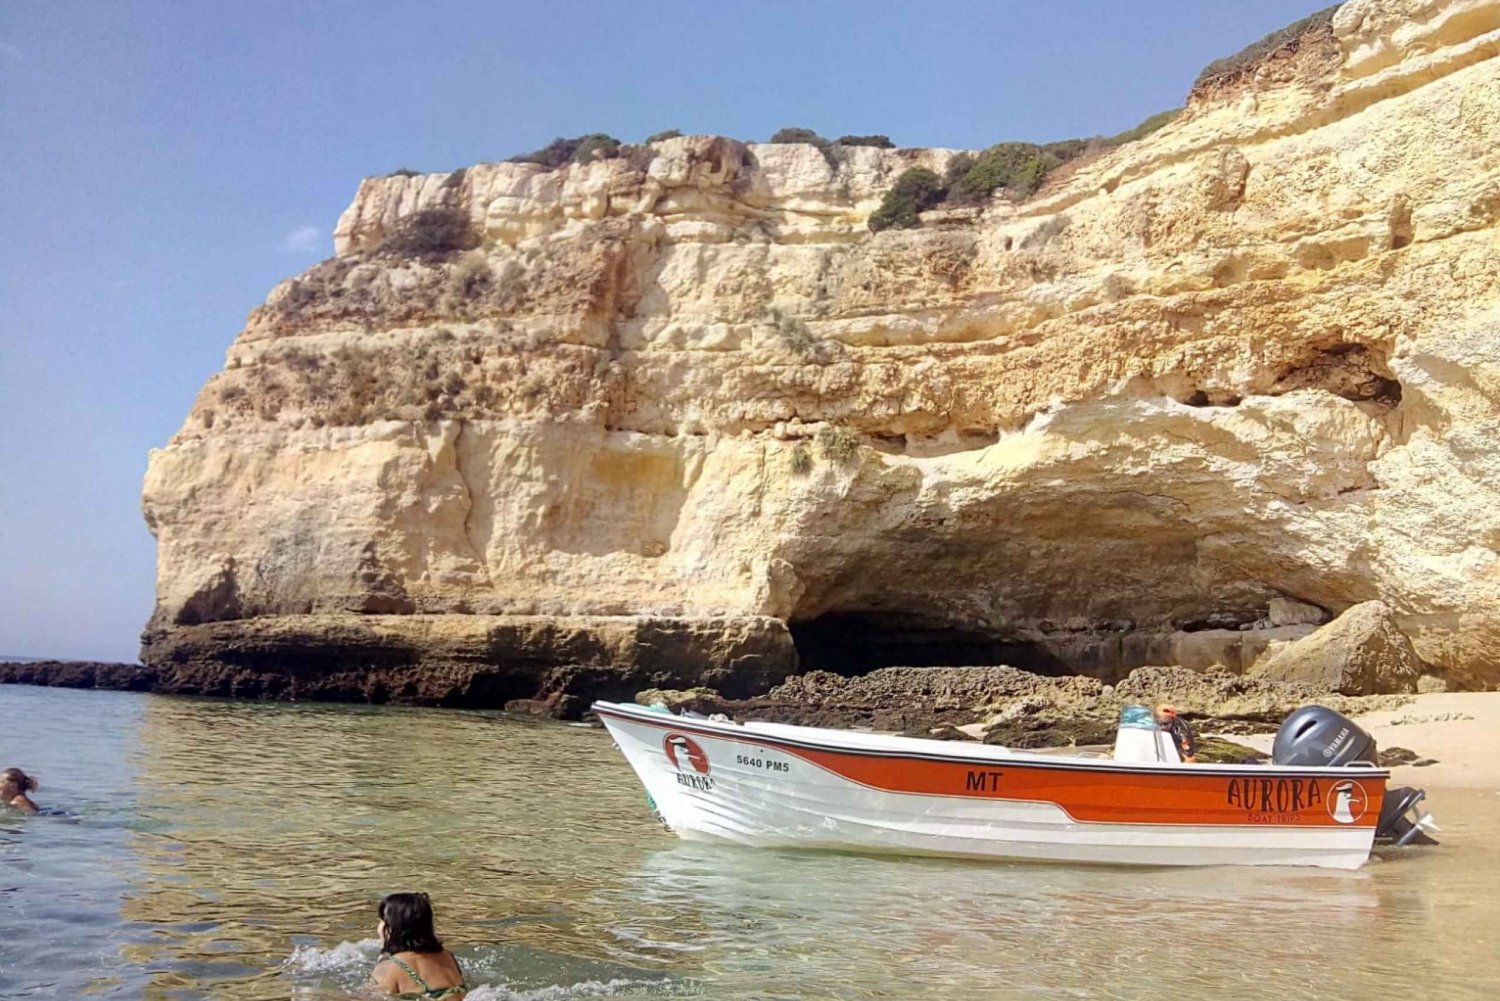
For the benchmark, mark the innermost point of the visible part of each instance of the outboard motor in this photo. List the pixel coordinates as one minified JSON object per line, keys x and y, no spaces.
{"x":1316,"y":736}
{"x":1402,"y":821}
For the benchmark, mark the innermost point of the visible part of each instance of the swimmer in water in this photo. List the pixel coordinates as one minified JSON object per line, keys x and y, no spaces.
{"x":14,"y":785}
{"x":414,"y":963}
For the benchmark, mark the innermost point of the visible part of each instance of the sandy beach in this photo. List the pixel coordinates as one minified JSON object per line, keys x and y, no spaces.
{"x":1460,"y":730}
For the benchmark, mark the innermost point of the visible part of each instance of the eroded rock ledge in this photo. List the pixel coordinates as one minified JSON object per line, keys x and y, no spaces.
{"x":1251,"y":359}
{"x":550,"y":665}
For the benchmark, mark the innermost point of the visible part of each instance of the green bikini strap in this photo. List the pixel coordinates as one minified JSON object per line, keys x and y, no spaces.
{"x":411,"y":973}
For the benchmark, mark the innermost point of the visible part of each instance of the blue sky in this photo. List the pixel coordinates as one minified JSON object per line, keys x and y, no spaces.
{"x":162,"y":165}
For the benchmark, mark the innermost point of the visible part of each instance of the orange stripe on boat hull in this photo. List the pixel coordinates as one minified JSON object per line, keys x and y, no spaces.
{"x":1125,"y":797}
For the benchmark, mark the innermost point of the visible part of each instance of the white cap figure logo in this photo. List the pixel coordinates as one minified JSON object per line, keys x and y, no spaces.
{"x":1347,"y":802}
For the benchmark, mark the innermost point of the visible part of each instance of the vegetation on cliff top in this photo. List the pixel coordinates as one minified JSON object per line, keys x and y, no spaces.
{"x":796,"y":134}
{"x":1144,"y":129}
{"x":581,"y":149}
{"x":1020,"y":168}
{"x":1017,"y":168}
{"x":1229,"y":66}
{"x":830,"y":148}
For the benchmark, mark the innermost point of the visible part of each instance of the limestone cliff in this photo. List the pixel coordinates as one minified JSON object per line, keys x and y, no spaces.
{"x":687,"y":393}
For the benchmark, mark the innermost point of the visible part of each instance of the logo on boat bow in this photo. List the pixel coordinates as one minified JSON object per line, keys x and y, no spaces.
{"x":690,"y":761}
{"x":1347,"y":802}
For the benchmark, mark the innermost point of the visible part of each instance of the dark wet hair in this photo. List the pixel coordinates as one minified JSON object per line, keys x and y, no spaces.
{"x":408,"y":924}
{"x":20,"y":778}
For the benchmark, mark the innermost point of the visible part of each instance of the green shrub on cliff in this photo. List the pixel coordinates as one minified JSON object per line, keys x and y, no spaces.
{"x":802,"y":460}
{"x":558,"y":153}
{"x":879,"y":142}
{"x":793,"y":332}
{"x":431,"y":232}
{"x":581,"y":149}
{"x":955,"y":171}
{"x":795,"y":134}
{"x":838,"y":443}
{"x":1019,"y":168}
{"x":1141,"y":131}
{"x":657,"y":137}
{"x":596,"y":146}
{"x":915,"y":190}
{"x":1067,"y":149}
{"x":471,"y":279}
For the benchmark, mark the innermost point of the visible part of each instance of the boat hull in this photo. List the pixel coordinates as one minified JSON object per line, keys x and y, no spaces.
{"x":802,"y":787}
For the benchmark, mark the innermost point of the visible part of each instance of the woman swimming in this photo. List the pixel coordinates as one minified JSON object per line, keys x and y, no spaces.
{"x":414,"y":963}
{"x":14,"y":785}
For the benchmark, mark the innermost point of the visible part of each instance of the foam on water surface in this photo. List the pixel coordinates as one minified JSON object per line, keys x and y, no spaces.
{"x":346,"y":967}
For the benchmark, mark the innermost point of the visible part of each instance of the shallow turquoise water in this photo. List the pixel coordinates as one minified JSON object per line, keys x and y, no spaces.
{"x":236,"y":850}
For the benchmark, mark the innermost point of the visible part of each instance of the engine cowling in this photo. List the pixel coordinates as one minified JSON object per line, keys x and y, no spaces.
{"x":1316,"y":736}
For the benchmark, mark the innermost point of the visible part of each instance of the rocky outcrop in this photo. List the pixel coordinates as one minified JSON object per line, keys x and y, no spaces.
{"x":548,"y":665}
{"x":1017,"y":708}
{"x":79,"y":674}
{"x":1251,"y":358}
{"x":1361,"y":652}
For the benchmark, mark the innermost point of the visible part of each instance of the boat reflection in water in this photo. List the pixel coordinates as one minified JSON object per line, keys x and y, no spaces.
{"x":878,"y":926}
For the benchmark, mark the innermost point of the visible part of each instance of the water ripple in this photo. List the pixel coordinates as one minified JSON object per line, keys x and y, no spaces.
{"x":233,"y":850}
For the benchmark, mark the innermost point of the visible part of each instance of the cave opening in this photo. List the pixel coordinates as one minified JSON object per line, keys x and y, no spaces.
{"x":852,"y":643}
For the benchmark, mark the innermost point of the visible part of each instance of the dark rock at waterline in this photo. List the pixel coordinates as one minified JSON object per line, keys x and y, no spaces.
{"x":552,"y":666}
{"x":79,"y":674}
{"x":542,"y":665}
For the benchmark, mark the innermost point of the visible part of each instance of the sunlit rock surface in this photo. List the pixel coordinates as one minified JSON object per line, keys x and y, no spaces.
{"x":1251,"y":359}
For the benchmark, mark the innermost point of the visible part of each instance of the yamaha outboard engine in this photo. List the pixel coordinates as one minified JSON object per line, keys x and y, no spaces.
{"x":1316,"y":736}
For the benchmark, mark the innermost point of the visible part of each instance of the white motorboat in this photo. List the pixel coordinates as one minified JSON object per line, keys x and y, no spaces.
{"x":776,"y":785}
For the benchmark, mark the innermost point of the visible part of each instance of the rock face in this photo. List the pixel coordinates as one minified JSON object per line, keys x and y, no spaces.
{"x":1359,"y":653}
{"x":1251,"y":359}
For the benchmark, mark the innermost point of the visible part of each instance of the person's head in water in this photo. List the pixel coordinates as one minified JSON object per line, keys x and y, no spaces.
{"x":406,"y":924}
{"x":14,"y":785}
